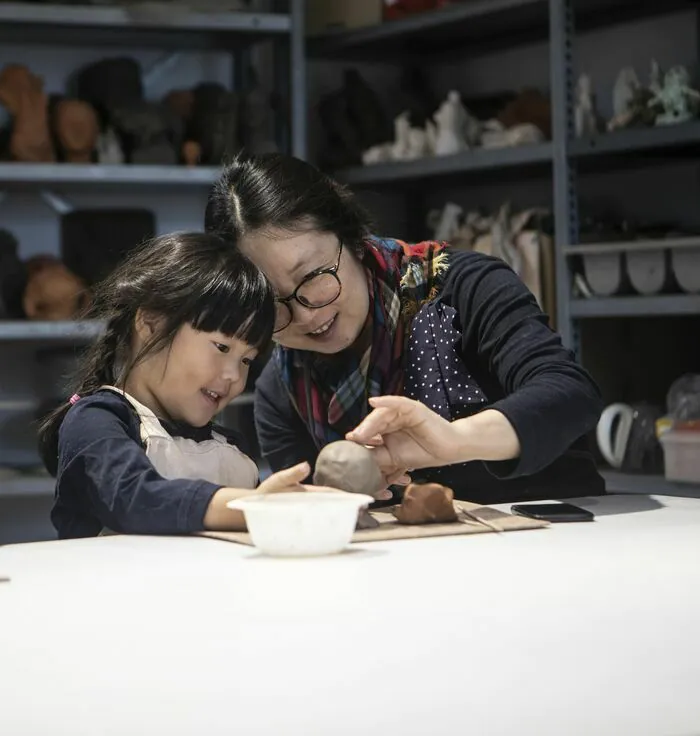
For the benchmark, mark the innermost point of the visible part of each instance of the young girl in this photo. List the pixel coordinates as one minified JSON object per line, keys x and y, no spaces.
{"x":135,"y":450}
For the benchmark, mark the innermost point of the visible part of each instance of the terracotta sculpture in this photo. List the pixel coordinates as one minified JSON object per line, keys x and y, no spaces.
{"x":426,"y":503}
{"x":352,"y":468}
{"x":22,"y":93}
{"x":52,"y":292}
{"x":191,"y":153}
{"x":77,"y":130}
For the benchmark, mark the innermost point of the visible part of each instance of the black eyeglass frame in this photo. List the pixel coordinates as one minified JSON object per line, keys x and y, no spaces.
{"x":332,"y":271}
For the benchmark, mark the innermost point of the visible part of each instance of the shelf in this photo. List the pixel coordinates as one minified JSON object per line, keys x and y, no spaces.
{"x":472,"y":27}
{"x":27,"y":485}
{"x":477,"y":160}
{"x":632,"y":246}
{"x":638,"y":140}
{"x":19,"y":174}
{"x":454,"y":26}
{"x":58,"y":24}
{"x":636,"y":306}
{"x":28,"y":331}
{"x":618,"y":482}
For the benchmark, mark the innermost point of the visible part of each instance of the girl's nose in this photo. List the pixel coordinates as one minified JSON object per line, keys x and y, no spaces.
{"x":232,"y":371}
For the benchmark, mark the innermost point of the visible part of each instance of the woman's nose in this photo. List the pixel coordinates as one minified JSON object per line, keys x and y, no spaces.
{"x":302,"y":316}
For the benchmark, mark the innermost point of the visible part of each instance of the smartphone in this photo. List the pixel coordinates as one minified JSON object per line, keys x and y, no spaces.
{"x":554,"y":512}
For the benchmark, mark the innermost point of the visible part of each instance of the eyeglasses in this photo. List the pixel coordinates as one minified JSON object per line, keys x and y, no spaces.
{"x":318,"y":289}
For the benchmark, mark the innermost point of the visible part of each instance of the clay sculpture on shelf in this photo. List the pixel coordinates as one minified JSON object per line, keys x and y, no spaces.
{"x":352,"y":468}
{"x":22,"y":93}
{"x":53,"y":292}
{"x":76,"y":130}
{"x":426,"y":503}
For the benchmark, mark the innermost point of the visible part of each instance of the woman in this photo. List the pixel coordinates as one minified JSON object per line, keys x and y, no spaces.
{"x":360,"y":316}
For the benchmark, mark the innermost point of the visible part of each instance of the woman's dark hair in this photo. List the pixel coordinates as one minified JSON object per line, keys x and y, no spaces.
{"x":258,"y":193}
{"x":182,"y":278}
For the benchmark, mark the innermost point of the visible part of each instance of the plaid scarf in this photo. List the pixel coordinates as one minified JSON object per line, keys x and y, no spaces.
{"x":401,"y":277}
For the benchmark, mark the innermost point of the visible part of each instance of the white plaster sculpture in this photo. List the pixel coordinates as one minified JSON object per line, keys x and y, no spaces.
{"x":585,"y":115}
{"x":626,"y":86}
{"x":409,"y":143}
{"x":445,"y":223}
{"x":451,"y":120}
{"x":678,"y":99}
{"x":109,"y":149}
{"x":400,"y":148}
{"x":655,"y":77}
{"x":495,"y":135}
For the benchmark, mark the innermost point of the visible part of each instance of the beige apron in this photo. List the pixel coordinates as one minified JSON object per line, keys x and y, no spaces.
{"x":213,"y":460}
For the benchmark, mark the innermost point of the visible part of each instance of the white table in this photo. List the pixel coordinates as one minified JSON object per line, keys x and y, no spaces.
{"x":577,"y":629}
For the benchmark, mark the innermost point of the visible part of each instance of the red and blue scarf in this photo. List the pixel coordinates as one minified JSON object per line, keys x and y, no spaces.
{"x":401,"y":278}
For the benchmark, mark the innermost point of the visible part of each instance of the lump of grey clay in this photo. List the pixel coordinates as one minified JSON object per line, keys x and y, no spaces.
{"x":352,"y":468}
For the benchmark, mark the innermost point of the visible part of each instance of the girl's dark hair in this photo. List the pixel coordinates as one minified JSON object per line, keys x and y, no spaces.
{"x":257,"y":193}
{"x":183,"y":278}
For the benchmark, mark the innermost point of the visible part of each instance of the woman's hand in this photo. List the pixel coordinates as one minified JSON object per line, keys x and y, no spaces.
{"x":406,"y":435}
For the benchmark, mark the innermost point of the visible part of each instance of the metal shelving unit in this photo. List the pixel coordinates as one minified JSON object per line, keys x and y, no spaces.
{"x":618,"y":482}
{"x":76,"y":25}
{"x":27,"y":331}
{"x":470,"y":29}
{"x":636,"y":306}
{"x":114,"y":29}
{"x":640,"y":140}
{"x":44,"y":175}
{"x":469,"y":162}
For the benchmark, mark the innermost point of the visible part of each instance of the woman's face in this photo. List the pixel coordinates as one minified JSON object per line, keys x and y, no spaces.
{"x":289,"y":260}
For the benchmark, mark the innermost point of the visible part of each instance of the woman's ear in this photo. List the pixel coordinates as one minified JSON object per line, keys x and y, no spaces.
{"x":146,"y":325}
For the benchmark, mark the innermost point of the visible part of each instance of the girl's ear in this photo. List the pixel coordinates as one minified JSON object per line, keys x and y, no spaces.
{"x":146,"y":325}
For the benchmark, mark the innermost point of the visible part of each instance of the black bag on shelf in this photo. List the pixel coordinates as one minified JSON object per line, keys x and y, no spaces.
{"x":13,"y":277}
{"x":93,"y":242}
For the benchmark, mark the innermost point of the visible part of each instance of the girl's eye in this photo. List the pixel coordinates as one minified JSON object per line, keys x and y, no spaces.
{"x":222,"y":348}
{"x":247,"y":361}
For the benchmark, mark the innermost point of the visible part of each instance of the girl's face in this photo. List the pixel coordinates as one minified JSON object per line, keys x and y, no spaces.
{"x":289,"y":261}
{"x":194,"y":378}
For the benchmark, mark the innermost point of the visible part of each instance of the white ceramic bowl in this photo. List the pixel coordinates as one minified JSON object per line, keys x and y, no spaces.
{"x":301,"y":524}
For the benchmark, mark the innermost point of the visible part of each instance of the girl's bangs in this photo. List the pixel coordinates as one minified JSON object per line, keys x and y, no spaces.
{"x":236,"y":305}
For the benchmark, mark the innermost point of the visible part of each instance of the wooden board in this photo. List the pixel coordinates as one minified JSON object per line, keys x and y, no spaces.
{"x":389,"y":528}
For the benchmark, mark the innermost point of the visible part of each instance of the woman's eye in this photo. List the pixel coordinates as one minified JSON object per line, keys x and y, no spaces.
{"x":222,"y":348}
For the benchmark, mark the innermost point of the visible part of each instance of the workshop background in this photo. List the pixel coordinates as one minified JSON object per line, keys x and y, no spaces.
{"x":559,"y":135}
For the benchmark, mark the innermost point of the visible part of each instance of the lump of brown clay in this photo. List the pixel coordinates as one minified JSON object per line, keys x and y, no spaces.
{"x":426,"y":503}
{"x":352,"y":468}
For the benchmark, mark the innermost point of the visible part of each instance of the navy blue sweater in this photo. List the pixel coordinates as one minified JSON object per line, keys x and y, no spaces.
{"x":513,"y":361}
{"x":105,"y":479}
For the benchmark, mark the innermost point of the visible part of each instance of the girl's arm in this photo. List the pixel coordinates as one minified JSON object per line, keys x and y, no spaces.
{"x":105,"y":479}
{"x":219,"y":517}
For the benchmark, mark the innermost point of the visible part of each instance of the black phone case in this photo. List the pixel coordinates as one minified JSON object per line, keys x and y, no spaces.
{"x":567,"y":514}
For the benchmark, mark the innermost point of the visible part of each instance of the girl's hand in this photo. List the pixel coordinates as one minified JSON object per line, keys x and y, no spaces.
{"x":289,"y":479}
{"x":286,"y":481}
{"x":406,"y":435}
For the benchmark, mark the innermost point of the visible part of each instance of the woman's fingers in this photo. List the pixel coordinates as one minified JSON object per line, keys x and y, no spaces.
{"x":378,"y":422}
